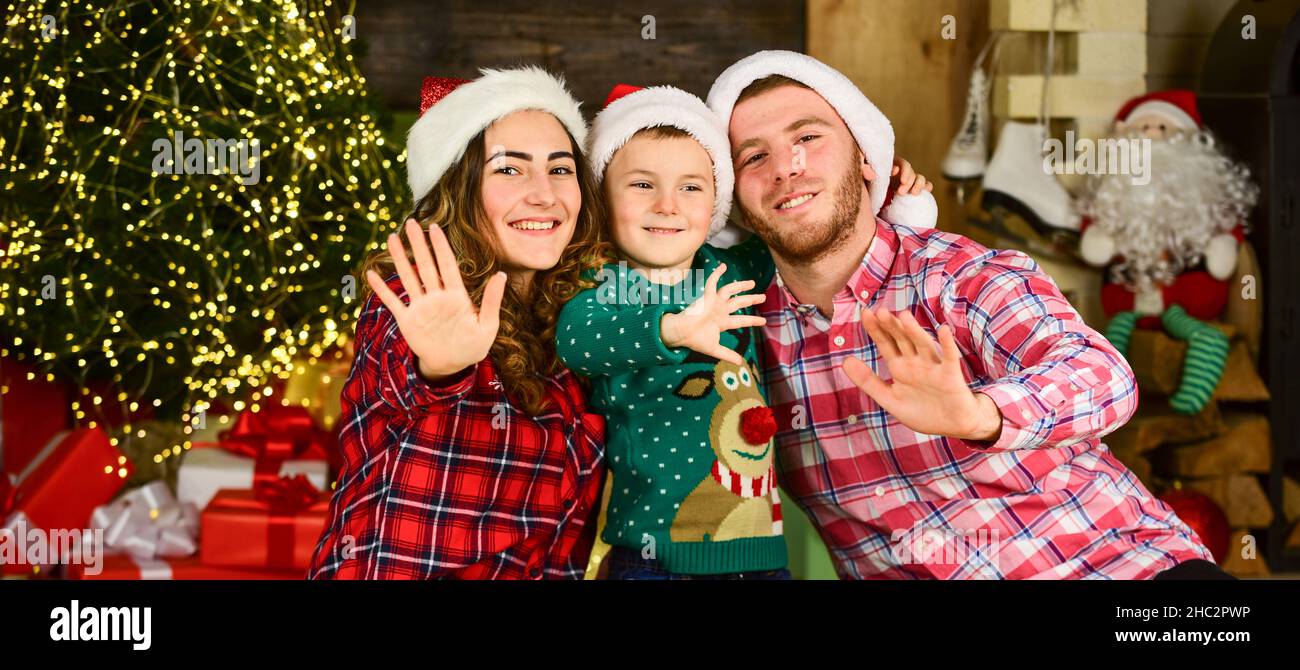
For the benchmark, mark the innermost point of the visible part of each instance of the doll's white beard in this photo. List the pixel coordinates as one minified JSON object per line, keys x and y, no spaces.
{"x":1162,"y":228}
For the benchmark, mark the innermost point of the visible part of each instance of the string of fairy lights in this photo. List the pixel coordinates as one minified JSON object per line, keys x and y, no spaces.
{"x":182,"y":289}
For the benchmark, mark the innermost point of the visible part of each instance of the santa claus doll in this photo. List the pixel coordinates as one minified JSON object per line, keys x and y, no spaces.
{"x":1170,"y":244}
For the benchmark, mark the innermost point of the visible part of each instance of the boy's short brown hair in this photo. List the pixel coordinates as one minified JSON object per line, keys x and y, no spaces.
{"x":662,"y":133}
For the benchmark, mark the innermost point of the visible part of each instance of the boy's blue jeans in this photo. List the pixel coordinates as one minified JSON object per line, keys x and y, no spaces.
{"x":627,"y":563}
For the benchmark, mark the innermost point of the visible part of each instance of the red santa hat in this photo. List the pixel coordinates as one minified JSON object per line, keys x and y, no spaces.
{"x":630,"y":109}
{"x":1176,"y":105}
{"x":869,"y":126}
{"x":453,"y":111}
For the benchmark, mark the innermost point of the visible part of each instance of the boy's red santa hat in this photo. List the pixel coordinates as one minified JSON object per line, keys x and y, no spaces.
{"x":453,"y":111}
{"x":631,"y":109}
{"x":869,"y":126}
{"x":1176,"y":105}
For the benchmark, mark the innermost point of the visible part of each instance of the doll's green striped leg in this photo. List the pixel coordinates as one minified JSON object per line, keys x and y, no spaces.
{"x":1120,"y":330}
{"x":1207,"y":352}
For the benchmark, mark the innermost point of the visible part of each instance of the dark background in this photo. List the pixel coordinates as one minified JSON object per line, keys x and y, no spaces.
{"x":594,"y":43}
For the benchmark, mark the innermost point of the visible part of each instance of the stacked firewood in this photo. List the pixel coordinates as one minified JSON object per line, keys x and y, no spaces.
{"x":1224,"y":451}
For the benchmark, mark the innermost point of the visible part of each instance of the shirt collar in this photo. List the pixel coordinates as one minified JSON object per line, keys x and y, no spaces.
{"x":866,"y":280}
{"x":702,"y":265}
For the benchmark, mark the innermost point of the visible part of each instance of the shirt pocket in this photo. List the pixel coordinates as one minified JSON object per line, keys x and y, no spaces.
{"x":584,"y":460}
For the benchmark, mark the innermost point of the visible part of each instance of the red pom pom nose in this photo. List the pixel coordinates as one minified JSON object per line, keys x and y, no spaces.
{"x":757,"y":425}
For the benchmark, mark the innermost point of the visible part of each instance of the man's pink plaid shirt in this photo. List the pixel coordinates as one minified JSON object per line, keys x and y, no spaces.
{"x":1047,"y":499}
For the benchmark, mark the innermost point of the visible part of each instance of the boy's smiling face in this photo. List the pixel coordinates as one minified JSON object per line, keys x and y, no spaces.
{"x":661,"y":195}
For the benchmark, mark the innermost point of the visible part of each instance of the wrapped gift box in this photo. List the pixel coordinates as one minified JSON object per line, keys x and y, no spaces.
{"x":246,"y":528}
{"x":72,"y":475}
{"x":317,"y":384}
{"x":277,"y":442}
{"x":129,"y":567}
{"x":32,"y":411}
{"x":207,"y":470}
{"x":148,"y":522}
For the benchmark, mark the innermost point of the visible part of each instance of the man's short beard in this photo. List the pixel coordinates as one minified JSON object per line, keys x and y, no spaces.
{"x":805,"y":244}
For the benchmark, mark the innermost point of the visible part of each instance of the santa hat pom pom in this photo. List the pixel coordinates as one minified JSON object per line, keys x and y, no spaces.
{"x":913,"y":211}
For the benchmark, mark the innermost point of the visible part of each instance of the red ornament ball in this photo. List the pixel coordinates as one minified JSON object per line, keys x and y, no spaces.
{"x":1204,"y":516}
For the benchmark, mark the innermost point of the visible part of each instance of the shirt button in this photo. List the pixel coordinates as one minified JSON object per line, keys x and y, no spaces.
{"x":880,"y":491}
{"x":865,"y":295}
{"x":853,"y":418}
{"x":534,"y":572}
{"x":839,"y":340}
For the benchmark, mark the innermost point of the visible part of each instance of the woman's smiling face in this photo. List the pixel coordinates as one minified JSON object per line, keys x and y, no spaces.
{"x":530,"y":190}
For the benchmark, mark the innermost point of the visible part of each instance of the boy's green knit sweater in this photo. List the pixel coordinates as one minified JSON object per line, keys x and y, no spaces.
{"x":689,"y":437}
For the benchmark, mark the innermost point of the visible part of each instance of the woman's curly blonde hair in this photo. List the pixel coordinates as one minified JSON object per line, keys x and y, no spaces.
{"x":524,"y":349}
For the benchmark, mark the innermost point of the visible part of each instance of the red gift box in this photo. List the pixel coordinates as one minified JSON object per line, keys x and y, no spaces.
{"x":76,"y":472}
{"x":274,"y":525}
{"x":259,"y":447}
{"x":73,"y":474}
{"x":31,"y":412}
{"x":129,"y":568}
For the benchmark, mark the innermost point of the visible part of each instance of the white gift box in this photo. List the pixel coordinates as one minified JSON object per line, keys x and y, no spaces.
{"x":209,"y":469}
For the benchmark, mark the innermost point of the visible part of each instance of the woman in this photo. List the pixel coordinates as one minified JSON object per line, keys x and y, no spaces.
{"x":468,"y":449}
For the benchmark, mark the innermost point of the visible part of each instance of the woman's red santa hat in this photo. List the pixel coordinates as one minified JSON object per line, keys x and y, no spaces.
{"x":631,"y":109}
{"x":453,"y":111}
{"x":869,"y":126}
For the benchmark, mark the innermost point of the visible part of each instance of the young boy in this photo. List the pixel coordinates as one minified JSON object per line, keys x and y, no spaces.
{"x":666,"y":340}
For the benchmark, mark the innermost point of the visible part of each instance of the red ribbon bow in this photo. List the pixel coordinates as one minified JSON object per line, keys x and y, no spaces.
{"x":286,"y":495}
{"x":271,"y":437}
{"x":278,"y":431}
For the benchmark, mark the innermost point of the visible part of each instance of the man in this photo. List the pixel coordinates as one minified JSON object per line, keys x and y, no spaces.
{"x":940,"y":405}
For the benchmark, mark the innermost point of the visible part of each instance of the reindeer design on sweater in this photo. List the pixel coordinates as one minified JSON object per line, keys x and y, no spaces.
{"x":738,"y":498}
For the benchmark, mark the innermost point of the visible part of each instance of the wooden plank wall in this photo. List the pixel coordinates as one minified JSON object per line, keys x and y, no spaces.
{"x":893,"y":50}
{"x":1178,"y":33}
{"x":594,"y":43}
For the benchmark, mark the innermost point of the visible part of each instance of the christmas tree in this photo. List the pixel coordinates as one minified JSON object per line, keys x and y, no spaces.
{"x":188,"y":191}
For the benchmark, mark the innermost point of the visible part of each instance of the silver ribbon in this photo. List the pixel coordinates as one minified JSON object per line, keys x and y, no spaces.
{"x":147,"y":523}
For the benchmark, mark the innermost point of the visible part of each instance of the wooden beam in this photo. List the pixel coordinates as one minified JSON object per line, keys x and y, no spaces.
{"x":1290,"y":499}
{"x":1110,"y":54}
{"x":895,"y":52}
{"x":594,"y":43}
{"x":1081,"y":15}
{"x":1244,"y":447}
{"x":1156,"y":423}
{"x":1157,"y":362}
{"x":1241,"y":496}
{"x":1020,"y":96}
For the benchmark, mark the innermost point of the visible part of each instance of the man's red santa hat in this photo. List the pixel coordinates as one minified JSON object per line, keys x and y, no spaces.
{"x":1176,"y":105}
{"x":453,"y":111}
{"x":869,"y":126}
{"x":630,"y":109}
